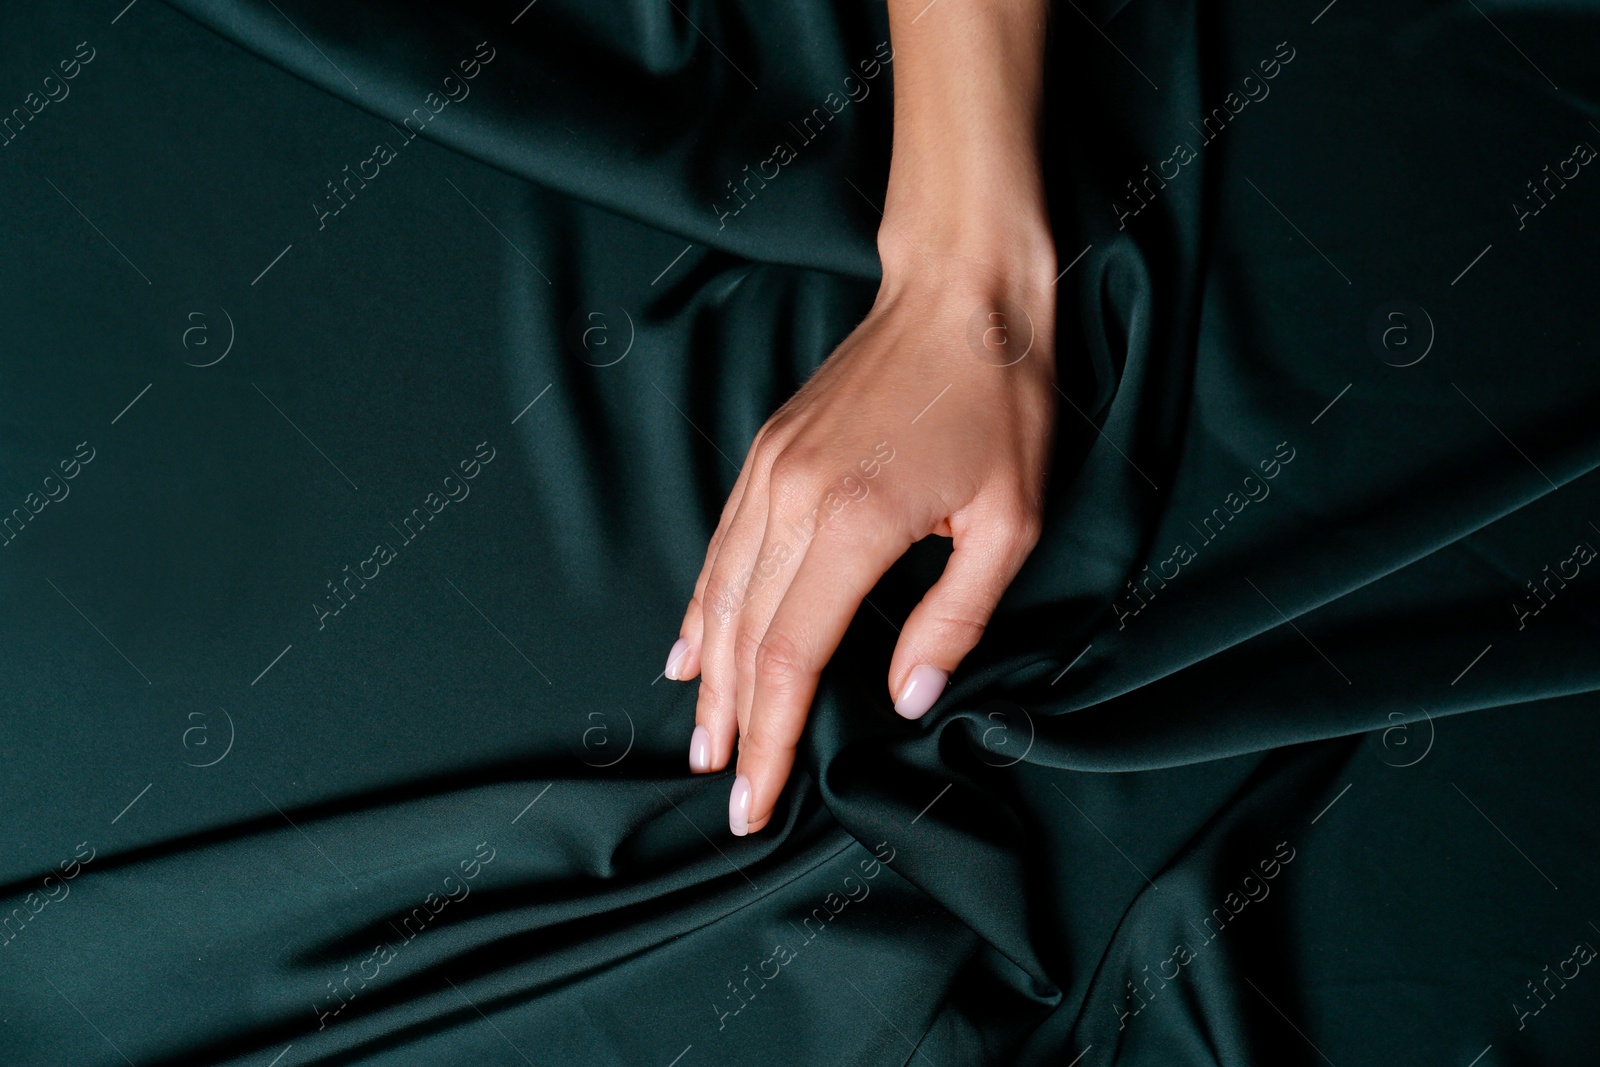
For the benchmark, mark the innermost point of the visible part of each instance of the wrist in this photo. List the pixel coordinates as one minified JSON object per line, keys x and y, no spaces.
{"x":1009,"y":254}
{"x":978,"y":207}
{"x":993,"y":299}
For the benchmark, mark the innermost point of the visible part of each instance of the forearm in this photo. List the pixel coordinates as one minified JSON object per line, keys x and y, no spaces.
{"x":964,"y":179}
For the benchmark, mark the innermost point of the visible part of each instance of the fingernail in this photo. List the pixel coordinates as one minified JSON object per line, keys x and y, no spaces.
{"x":700,"y":749}
{"x":739,"y":807}
{"x":674,"y":658}
{"x":921,"y":690}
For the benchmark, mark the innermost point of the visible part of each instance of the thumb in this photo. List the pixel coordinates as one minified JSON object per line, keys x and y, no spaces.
{"x":989,"y":551}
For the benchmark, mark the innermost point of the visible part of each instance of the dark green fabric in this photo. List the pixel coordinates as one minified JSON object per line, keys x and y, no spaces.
{"x":1264,"y":758}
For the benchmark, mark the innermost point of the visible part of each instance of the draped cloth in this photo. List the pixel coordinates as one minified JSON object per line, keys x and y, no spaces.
{"x":374,"y":376}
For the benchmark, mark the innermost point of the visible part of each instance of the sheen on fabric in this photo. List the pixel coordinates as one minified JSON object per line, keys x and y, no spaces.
{"x":373,"y":378}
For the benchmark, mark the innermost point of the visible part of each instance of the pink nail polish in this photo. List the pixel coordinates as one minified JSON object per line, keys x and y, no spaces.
{"x":739,"y":807}
{"x":921,"y":690}
{"x":675,"y":659}
{"x":700,"y":749}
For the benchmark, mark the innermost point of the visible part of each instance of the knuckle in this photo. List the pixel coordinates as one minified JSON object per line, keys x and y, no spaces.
{"x":721,"y":601}
{"x":780,"y":662}
{"x":762,"y":744}
{"x":793,"y":478}
{"x":711,"y":703}
{"x":746,"y":648}
{"x":1027,"y":529}
{"x":768,"y":741}
{"x":766,"y":448}
{"x":960,"y":626}
{"x":1019,"y":522}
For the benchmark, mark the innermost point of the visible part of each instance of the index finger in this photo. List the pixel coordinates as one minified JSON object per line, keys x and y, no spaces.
{"x":683,"y":659}
{"x":832,"y":580}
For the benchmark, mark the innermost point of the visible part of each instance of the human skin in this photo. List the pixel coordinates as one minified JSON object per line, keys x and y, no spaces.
{"x":968,"y":274}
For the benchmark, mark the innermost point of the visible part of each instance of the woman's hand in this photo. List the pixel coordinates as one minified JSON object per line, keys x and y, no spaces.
{"x":935,"y":416}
